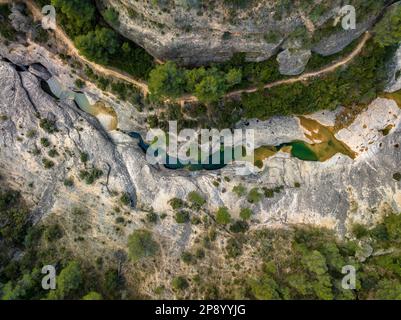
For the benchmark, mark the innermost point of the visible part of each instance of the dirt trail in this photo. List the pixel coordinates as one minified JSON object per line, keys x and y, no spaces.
{"x":73,"y":51}
{"x":107,"y":71}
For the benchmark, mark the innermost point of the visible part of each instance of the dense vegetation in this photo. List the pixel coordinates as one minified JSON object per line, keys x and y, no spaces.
{"x":359,"y":83}
{"x":307,"y":263}
{"x":96,"y":40}
{"x":388,"y":30}
{"x":6,"y":29}
{"x":25,"y":249}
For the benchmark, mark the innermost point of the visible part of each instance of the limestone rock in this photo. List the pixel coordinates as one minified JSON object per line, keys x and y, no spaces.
{"x":293,"y":61}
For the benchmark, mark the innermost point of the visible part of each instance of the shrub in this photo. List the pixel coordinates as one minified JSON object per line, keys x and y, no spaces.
{"x":397,"y":176}
{"x":69,"y":182}
{"x":84,"y":157}
{"x":233,"y":248}
{"x":246,"y":213}
{"x":111,"y":16}
{"x":48,"y":125}
{"x":180,"y":283}
{"x":90,"y":176}
{"x":182,"y":217}
{"x":152,"y":217}
{"x":239,"y":190}
{"x":48,"y":164}
{"x":239,"y":227}
{"x":99,"y":45}
{"x":200,"y":253}
{"x":254,"y":196}
{"x":187,"y":257}
{"x":120,"y":220}
{"x":45,"y":142}
{"x":176,"y":203}
{"x":223,"y":217}
{"x":141,"y":245}
{"x":53,"y":232}
{"x":359,"y":230}
{"x":196,"y":199}
{"x":125,"y":199}
{"x":53,"y":153}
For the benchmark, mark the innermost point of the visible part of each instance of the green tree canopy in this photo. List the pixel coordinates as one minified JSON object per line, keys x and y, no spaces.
{"x":223,"y":216}
{"x":166,"y":80}
{"x":388,"y":30}
{"x":99,"y":45}
{"x":141,"y":245}
{"x":78,"y":15}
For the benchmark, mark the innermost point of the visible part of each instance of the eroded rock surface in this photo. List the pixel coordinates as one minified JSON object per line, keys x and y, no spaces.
{"x":201,"y":32}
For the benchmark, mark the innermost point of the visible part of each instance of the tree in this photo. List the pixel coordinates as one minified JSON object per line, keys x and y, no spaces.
{"x":78,"y":15}
{"x":264,"y":288}
{"x":233,"y":77}
{"x":99,"y":45}
{"x":68,"y":282}
{"x":246,"y":213}
{"x":388,"y":30}
{"x":393,"y":226}
{"x":223,"y":217}
{"x":210,"y":89}
{"x":180,"y":283}
{"x":194,"y":77}
{"x":166,"y":81}
{"x":141,"y":245}
{"x":388,"y":290}
{"x":111,"y":16}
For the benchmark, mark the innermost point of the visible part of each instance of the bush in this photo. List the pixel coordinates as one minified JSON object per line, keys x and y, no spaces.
{"x":69,"y":182}
{"x":48,"y":125}
{"x":53,"y":232}
{"x":99,"y":45}
{"x":180,"y":283}
{"x":90,"y":176}
{"x":397,"y":176}
{"x":239,"y":190}
{"x":239,"y":227}
{"x":233,"y":248}
{"x":45,"y":142}
{"x":187,"y":257}
{"x":388,"y":30}
{"x":111,"y":16}
{"x":254,"y":196}
{"x":125,"y":199}
{"x":246,"y":213}
{"x":152,"y":217}
{"x":223,"y":217}
{"x":166,"y":80}
{"x":196,"y":200}
{"x":48,"y":164}
{"x":182,"y":217}
{"x":176,"y":203}
{"x":141,"y":245}
{"x":68,"y":282}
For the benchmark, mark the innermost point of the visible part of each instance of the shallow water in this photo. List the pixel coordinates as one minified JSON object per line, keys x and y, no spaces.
{"x":324,"y":145}
{"x":106,"y":115}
